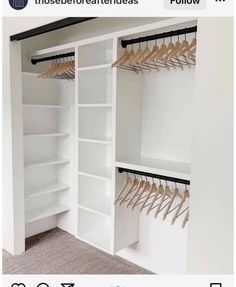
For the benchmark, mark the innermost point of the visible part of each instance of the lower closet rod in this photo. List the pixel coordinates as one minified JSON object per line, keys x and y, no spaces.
{"x":158,"y":176}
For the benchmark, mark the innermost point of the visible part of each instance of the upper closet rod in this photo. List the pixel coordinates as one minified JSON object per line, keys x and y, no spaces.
{"x":158,"y":176}
{"x":125,"y":43}
{"x":59,"y":56}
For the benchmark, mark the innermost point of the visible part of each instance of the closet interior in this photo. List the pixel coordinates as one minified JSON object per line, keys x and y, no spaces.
{"x":103,"y":111}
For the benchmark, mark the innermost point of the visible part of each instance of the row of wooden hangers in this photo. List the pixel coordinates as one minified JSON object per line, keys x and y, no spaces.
{"x":147,"y":195}
{"x":60,"y":69}
{"x":167,"y":56}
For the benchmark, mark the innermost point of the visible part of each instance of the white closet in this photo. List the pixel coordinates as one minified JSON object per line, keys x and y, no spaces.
{"x":78,"y":133}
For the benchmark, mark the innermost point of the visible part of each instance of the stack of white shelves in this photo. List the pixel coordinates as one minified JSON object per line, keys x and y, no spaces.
{"x":44,"y":149}
{"x":95,"y":144}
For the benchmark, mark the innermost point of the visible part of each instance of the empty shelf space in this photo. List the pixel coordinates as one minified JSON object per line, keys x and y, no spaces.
{"x":104,"y":173}
{"x":94,"y":229}
{"x":46,"y":135}
{"x":45,"y":189}
{"x":102,"y":105}
{"x":157,"y":166}
{"x":37,"y":214}
{"x":97,"y":140}
{"x":95,"y":67}
{"x":95,"y":87}
{"x":45,"y":106}
{"x":95,"y":123}
{"x":95,"y":54}
{"x":53,"y":161}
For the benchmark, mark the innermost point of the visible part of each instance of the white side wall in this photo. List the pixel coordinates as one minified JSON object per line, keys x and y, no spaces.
{"x":13,"y":224}
{"x":210,"y":247}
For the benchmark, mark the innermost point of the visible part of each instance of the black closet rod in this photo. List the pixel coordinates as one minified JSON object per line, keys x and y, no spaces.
{"x":158,"y":176}
{"x":59,"y":56}
{"x":125,"y":43}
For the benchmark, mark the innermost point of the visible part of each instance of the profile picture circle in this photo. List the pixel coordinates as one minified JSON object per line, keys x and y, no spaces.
{"x":18,"y":4}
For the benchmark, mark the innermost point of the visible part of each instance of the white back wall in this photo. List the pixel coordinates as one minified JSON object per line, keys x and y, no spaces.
{"x":167,"y":114}
{"x":211,"y":217}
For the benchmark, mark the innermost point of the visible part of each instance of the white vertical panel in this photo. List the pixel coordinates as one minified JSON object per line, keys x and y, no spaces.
{"x":17,"y":149}
{"x":211,"y":219}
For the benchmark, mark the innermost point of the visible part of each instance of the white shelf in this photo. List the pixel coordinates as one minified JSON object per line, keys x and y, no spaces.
{"x":99,"y":141}
{"x":95,"y":67}
{"x":45,"y":189}
{"x":94,"y":209}
{"x":45,"y":106}
{"x":54,"y":161}
{"x":100,"y":174}
{"x":105,"y":105}
{"x":47,"y":135}
{"x":157,"y":166}
{"x":37,"y":214}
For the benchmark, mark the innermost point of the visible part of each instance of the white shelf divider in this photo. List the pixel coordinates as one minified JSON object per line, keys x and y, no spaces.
{"x":93,"y":210}
{"x":46,"y":135}
{"x":46,"y":211}
{"x":54,"y":161}
{"x":103,"y":105}
{"x":99,"y":141}
{"x":104,"y":175}
{"x":45,"y":106}
{"x":95,"y":67}
{"x":45,"y":189}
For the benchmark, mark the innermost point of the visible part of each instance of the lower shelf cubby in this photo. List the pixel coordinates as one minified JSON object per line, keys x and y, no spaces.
{"x":95,"y":194}
{"x":94,"y":229}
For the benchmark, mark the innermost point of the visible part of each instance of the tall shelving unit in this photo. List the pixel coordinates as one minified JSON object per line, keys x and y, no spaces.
{"x":47,"y":129}
{"x":95,"y":108}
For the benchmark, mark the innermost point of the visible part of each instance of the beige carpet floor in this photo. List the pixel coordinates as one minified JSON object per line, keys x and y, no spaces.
{"x":57,"y":252}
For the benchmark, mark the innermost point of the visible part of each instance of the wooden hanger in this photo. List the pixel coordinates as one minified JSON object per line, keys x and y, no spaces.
{"x":136,"y":55}
{"x":138,"y":61}
{"x":186,"y":218}
{"x":155,"y":50}
{"x":49,"y":70}
{"x":165,"y":52}
{"x":126,"y":59}
{"x":174,"y":56}
{"x":134,"y":185}
{"x":189,"y":47}
{"x":167,"y":193}
{"x":128,"y":181}
{"x":146,"y":188}
{"x":156,"y":197}
{"x":117,"y":62}
{"x":161,"y":50}
{"x":173,"y":51}
{"x":174,"y":195}
{"x":152,"y":191}
{"x":186,"y":195}
{"x":140,"y":186}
